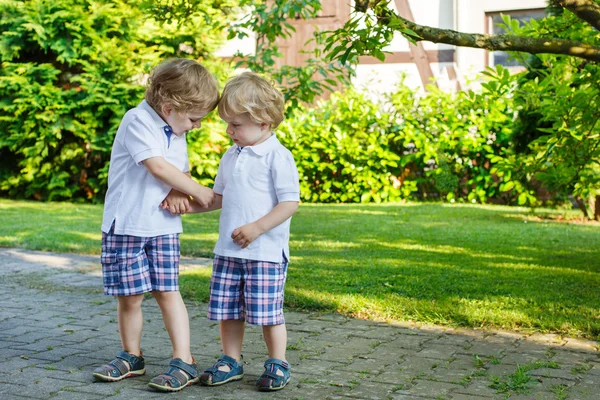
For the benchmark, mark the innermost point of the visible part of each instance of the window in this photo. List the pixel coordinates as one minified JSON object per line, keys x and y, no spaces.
{"x":495,"y":19}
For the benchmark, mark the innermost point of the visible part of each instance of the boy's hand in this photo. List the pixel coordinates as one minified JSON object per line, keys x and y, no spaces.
{"x":205,"y":197}
{"x":244,"y":235}
{"x":176,"y":202}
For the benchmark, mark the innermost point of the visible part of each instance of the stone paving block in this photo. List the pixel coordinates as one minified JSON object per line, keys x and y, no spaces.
{"x":399,"y":344}
{"x":584,"y":392}
{"x":431,"y":388}
{"x":367,"y":390}
{"x":374,"y":332}
{"x":465,"y":362}
{"x":317,"y":368}
{"x":83,"y":376}
{"x":501,"y":370}
{"x":367,"y":365}
{"x":406,"y":371}
{"x":439,"y":352}
{"x":478,"y":387}
{"x":553,"y":373}
{"x":58,"y":354}
{"x":483,"y":349}
{"x":7,"y":353}
{"x":451,"y":339}
{"x":7,"y":390}
{"x":43,"y":388}
{"x":451,"y":375}
{"x":96,"y":343}
{"x":568,"y":357}
{"x":522,"y":358}
{"x":459,"y":396}
{"x":130,"y":394}
{"x":40,"y":345}
{"x":583,"y":345}
{"x":71,"y":363}
{"x":546,"y":384}
{"x":16,"y":332}
{"x":7,"y":343}
{"x":76,"y":394}
{"x":16,"y":365}
{"x":402,"y":395}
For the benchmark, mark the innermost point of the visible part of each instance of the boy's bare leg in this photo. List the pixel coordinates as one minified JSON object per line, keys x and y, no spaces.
{"x":276,"y":339}
{"x":176,"y":321}
{"x":232,"y":337}
{"x":131,"y":322}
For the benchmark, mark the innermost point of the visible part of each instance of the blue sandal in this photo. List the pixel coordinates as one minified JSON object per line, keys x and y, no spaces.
{"x":270,"y":380}
{"x":179,"y":375}
{"x":213,"y":376}
{"x":124,"y":366}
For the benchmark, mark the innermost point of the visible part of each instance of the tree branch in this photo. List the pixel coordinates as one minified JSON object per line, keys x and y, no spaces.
{"x":494,"y":42}
{"x":587,"y":10}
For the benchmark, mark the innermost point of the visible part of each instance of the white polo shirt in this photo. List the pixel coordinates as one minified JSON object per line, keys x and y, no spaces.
{"x":134,"y":195}
{"x":252,"y":183}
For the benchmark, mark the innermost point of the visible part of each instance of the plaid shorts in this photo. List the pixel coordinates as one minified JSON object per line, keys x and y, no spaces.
{"x":134,"y":265}
{"x":247,"y":290}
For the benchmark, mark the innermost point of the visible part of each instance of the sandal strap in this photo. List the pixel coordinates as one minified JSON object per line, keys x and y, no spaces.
{"x":177,"y":365}
{"x":278,"y":363}
{"x":272,"y":375}
{"x":135,"y":362}
{"x":176,"y":378}
{"x":119,"y":365}
{"x":178,"y":374}
{"x":224,"y":360}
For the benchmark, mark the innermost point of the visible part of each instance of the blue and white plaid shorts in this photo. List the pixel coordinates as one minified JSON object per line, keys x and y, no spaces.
{"x":247,"y":290}
{"x":134,"y":265}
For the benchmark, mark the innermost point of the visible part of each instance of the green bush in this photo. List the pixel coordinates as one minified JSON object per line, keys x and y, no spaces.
{"x":342,"y":150}
{"x":351,"y":149}
{"x":70,"y":69}
{"x":446,"y":141}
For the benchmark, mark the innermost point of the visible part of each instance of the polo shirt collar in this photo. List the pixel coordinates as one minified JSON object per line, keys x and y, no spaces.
{"x":265,"y":147}
{"x":160,"y":123}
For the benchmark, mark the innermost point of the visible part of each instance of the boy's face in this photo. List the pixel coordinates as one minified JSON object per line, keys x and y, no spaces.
{"x":245,"y":132}
{"x":182,"y":121}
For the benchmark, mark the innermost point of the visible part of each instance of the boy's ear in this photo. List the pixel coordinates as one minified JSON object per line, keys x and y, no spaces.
{"x":264,"y":126}
{"x":167,"y":109}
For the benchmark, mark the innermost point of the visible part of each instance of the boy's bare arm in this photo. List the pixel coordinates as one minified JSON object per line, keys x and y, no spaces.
{"x":244,"y":235}
{"x":163,"y":170}
{"x":216,"y":205}
{"x":177,"y":202}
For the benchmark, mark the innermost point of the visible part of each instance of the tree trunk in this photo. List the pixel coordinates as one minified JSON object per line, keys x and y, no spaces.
{"x":582,"y":207}
{"x":597,"y":209}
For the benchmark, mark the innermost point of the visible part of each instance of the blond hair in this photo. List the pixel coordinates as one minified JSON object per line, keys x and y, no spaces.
{"x":252,"y":94}
{"x":183,"y":83}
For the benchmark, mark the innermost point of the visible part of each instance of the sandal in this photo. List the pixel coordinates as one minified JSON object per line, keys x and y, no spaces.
{"x":270,"y":380}
{"x":124,"y":366}
{"x":179,"y":375}
{"x":214,"y":376}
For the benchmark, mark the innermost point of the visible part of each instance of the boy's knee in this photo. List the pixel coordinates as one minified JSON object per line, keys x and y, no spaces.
{"x":127,"y":303}
{"x":166,"y":296}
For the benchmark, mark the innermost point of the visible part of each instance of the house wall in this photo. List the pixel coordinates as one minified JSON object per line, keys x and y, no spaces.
{"x":450,"y":67}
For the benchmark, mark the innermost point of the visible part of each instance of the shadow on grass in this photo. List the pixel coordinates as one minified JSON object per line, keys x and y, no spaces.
{"x":459,"y":264}
{"x":467,"y":266}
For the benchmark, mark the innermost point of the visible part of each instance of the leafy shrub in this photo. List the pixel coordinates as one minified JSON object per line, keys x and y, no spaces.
{"x":70,"y":69}
{"x":342,"y":150}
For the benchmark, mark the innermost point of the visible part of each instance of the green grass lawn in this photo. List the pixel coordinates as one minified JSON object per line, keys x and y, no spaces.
{"x":460,"y":265}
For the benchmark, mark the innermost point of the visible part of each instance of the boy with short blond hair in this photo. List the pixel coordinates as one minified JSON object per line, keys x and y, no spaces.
{"x":140,"y":240}
{"x":257,"y":187}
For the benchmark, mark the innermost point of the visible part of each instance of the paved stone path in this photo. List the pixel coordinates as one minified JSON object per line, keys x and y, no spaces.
{"x":56,"y":326}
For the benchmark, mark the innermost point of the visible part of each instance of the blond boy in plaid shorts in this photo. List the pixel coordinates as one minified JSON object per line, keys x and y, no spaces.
{"x":258,"y":190}
{"x":140,"y":240}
